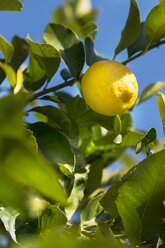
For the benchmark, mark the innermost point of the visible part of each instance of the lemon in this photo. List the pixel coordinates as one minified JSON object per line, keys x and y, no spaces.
{"x":109,"y":87}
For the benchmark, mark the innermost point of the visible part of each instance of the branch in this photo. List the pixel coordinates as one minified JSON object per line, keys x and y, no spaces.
{"x":45,"y":91}
{"x":157,"y":44}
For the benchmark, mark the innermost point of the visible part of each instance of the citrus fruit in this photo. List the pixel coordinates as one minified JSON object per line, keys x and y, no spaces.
{"x":109,"y":87}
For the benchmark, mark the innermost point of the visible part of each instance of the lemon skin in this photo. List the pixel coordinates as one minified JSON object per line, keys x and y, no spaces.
{"x":109,"y":87}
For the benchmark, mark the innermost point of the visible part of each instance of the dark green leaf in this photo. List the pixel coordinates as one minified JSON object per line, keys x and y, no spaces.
{"x":77,"y":107}
{"x":148,"y":137}
{"x":91,"y":211}
{"x":35,"y":76}
{"x":91,"y":118}
{"x":65,"y":74}
{"x":46,"y":55}
{"x":59,"y":119}
{"x":11,"y":5}
{"x":92,"y":56}
{"x":21,"y":51}
{"x":68,"y":44}
{"x":6,"y":48}
{"x":155,"y":23}
{"x":141,"y":196}
{"x":132,"y":28}
{"x":76,"y":195}
{"x":94,"y":176}
{"x":51,"y":98}
{"x":54,"y":146}
{"x":139,"y":44}
{"x":22,"y":165}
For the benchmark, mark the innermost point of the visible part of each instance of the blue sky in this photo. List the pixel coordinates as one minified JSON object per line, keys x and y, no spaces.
{"x":148,"y":69}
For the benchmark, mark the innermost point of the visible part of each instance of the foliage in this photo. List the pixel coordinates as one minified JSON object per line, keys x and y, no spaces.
{"x":56,"y":186}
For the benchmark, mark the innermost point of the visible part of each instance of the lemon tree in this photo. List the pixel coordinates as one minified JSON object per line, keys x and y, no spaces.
{"x":57,"y":188}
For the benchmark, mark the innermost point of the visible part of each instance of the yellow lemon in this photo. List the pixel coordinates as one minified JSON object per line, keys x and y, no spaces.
{"x":109,"y":87}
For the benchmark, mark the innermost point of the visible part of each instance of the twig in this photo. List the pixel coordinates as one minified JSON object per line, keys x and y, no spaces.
{"x":45,"y":91}
{"x":157,"y":44}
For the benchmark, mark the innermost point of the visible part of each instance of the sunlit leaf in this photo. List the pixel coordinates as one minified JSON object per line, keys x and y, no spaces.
{"x":19,"y":82}
{"x":22,"y":165}
{"x":12,"y":5}
{"x":10,"y":73}
{"x":150,"y":90}
{"x":34,"y":76}
{"x":155,"y":23}
{"x":6,"y":48}
{"x":76,"y":195}
{"x":8,"y":217}
{"x":46,"y":55}
{"x":91,"y":211}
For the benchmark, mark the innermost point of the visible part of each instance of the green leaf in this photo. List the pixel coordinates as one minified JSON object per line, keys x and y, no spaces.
{"x":65,"y":74}
{"x":132,"y":28}
{"x":11,"y":5}
{"x":117,"y":125}
{"x":141,"y":196}
{"x":46,"y":55}
{"x":104,"y":231}
{"x":148,"y":137}
{"x":6,"y":48}
{"x":8,"y":217}
{"x":77,"y":107}
{"x":88,"y":29}
{"x":150,"y":90}
{"x":35,"y":172}
{"x":91,"y":118}
{"x":68,"y":44}
{"x":13,"y":195}
{"x":21,"y":51}
{"x":94,"y":176}
{"x":130,"y":139}
{"x":54,"y":146}
{"x":155,"y":23}
{"x":59,"y":119}
{"x":161,"y":105}
{"x":50,"y":217}
{"x":92,"y":56}
{"x":140,"y":44}
{"x":10,"y":73}
{"x":76,"y":195}
{"x":11,"y":116}
{"x":51,"y":98}
{"x":34,"y":76}
{"x":91,"y":211}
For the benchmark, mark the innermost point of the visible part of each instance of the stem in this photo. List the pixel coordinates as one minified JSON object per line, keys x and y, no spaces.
{"x":157,"y":44}
{"x":45,"y":91}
